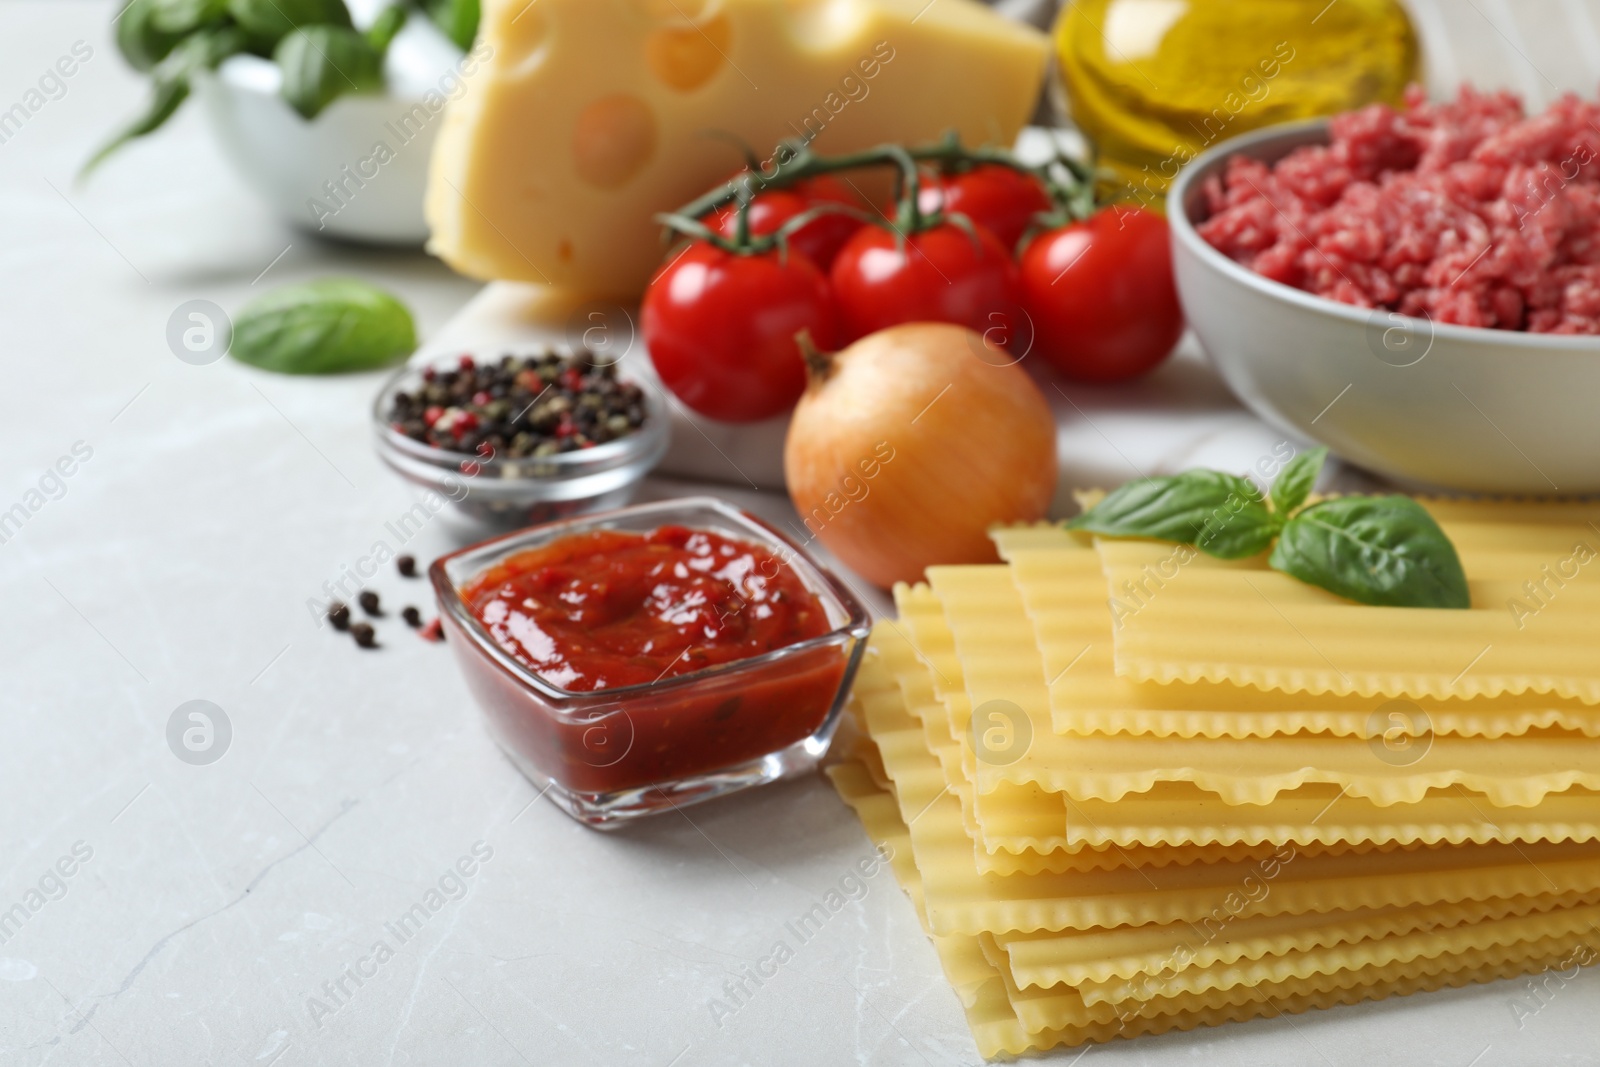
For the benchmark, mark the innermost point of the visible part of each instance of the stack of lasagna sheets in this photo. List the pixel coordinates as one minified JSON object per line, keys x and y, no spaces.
{"x":1130,"y":788}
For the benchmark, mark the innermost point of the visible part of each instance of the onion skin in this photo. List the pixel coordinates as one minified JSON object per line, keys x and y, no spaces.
{"x":907,"y":447}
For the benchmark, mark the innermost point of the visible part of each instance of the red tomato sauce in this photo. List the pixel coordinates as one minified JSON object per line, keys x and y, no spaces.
{"x":606,"y":609}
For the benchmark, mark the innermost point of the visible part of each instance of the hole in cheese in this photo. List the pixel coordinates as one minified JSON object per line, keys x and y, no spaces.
{"x":686,"y":57}
{"x":614,"y":138}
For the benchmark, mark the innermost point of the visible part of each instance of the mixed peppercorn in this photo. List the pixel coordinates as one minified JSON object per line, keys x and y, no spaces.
{"x":364,"y":634}
{"x":534,"y":406}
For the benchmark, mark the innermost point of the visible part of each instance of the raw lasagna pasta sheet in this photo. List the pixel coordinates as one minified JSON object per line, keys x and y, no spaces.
{"x":1007,"y":1020}
{"x":993,"y":636}
{"x":922,"y":615}
{"x":1532,"y":628}
{"x":962,"y":899}
{"x":1064,"y":592}
{"x":1073,"y":957}
{"x":1098,"y":854}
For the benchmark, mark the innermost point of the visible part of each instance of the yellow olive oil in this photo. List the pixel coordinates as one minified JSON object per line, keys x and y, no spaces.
{"x":1153,"y":83}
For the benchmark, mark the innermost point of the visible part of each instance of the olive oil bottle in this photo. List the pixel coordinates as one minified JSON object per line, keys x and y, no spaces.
{"x":1153,"y":83}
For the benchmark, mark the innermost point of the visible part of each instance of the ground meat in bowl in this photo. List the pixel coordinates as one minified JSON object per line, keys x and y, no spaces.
{"x":1467,"y":212}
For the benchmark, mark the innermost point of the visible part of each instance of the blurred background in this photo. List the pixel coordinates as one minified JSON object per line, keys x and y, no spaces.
{"x":178,"y":561}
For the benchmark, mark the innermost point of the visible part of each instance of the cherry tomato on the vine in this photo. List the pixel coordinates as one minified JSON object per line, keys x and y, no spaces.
{"x":1101,"y":296}
{"x":1000,"y":198}
{"x":819,"y":239}
{"x":942,"y":274}
{"x":721,"y":328}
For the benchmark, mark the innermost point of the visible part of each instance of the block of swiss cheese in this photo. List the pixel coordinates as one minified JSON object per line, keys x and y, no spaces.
{"x":590,"y":116}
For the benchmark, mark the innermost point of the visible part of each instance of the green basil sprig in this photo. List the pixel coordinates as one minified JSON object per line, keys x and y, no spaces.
{"x":330,"y":326}
{"x":390,"y":21}
{"x":1383,"y":550}
{"x":322,"y":63}
{"x":270,"y":21}
{"x":1222,"y":514}
{"x":186,"y":16}
{"x":171,"y":78}
{"x":142,"y":43}
{"x":314,"y":41}
{"x":1294,"y":483}
{"x":1386,"y":551}
{"x":457,"y":18}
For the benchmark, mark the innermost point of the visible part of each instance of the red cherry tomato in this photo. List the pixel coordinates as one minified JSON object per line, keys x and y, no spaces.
{"x":720,"y":328}
{"x":942,"y":274}
{"x":1002,"y":200}
{"x":819,"y":239}
{"x":1101,"y":296}
{"x":830,"y":232}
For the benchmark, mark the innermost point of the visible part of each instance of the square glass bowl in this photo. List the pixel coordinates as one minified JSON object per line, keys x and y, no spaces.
{"x":612,"y":755}
{"x":504,"y":493}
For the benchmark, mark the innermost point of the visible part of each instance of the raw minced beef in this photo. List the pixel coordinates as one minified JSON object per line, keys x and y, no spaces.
{"x":1467,"y":212}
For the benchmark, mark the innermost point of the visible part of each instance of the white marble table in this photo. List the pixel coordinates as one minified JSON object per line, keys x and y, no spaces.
{"x":211,"y":912}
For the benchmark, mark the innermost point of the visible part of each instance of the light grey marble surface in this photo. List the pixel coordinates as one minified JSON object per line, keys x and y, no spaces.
{"x":211,"y":912}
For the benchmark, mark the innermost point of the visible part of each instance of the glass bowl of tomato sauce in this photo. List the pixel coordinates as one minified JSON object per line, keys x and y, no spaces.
{"x":656,"y":656}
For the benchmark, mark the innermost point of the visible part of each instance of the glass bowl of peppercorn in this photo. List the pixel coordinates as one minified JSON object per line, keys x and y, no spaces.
{"x":522,"y":440}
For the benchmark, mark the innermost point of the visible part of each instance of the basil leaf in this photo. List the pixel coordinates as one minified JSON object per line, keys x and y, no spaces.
{"x":329,"y":326}
{"x":270,"y":21}
{"x":457,"y":18}
{"x":1221,"y":514}
{"x":1295,"y":482}
{"x":322,"y":63}
{"x":389,"y":22}
{"x":185,"y":16}
{"x":138,"y":39}
{"x":199,"y":51}
{"x":1386,"y":551}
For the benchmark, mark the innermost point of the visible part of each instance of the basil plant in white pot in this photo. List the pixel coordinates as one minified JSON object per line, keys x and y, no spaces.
{"x":327,"y":109}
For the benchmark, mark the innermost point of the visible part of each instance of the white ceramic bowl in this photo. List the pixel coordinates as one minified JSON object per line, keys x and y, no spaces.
{"x":375,"y":197}
{"x":1425,"y":404}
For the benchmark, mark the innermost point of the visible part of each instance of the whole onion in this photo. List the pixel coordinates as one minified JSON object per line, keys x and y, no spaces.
{"x":911,"y":443}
